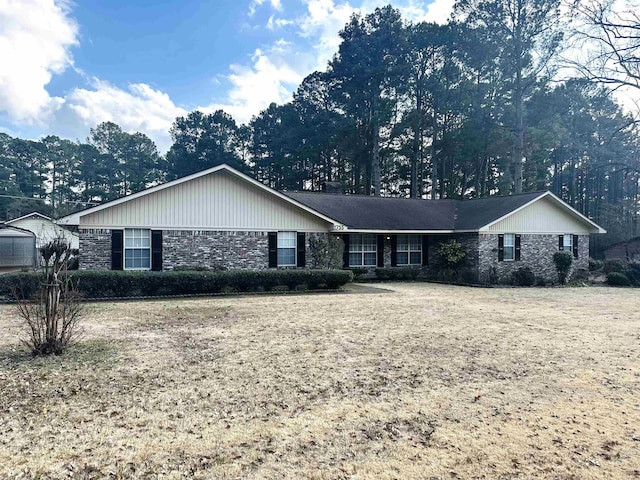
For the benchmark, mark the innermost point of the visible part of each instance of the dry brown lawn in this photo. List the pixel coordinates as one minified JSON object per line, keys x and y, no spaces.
{"x":424,"y":381}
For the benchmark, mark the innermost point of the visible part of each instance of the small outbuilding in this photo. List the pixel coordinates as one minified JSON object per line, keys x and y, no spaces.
{"x":17,"y":248}
{"x":44,"y":229}
{"x":628,"y":250}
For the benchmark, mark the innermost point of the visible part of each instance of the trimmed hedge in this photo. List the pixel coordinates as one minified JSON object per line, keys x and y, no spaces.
{"x":397,"y":273}
{"x":618,"y":279}
{"x":114,"y":284}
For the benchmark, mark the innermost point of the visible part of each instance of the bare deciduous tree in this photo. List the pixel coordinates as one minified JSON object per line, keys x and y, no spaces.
{"x":608,"y":32}
{"x":52,"y":315}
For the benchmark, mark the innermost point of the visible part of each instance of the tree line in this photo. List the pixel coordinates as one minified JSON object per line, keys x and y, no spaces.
{"x":462,"y":110}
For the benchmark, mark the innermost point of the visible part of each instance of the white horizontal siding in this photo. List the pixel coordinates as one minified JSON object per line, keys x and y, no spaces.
{"x":218,"y":201}
{"x":542,"y":216}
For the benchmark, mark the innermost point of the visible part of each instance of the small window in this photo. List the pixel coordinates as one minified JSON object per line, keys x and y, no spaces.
{"x":509,"y":247}
{"x":137,"y":249}
{"x":286,"y":249}
{"x":409,"y":251}
{"x":567,"y":243}
{"x":363,"y":250}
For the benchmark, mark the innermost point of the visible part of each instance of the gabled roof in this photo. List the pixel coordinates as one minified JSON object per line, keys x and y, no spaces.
{"x":376,"y":214}
{"x":558,"y":202}
{"x":74,"y":218}
{"x":362,"y":212}
{"x":359,"y":212}
{"x":480,"y":212}
{"x":32,"y":214}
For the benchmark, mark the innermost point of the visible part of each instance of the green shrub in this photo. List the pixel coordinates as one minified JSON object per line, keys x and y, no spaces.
{"x":397,"y":273}
{"x":326,"y":251}
{"x":618,"y":279}
{"x":198,"y":268}
{"x":114,"y":284}
{"x":563,"y":261}
{"x":614,"y":265}
{"x":26,"y":284}
{"x":595,"y":265}
{"x":633,"y":272}
{"x":451,"y":253}
{"x":359,"y":272}
{"x":523,"y":277}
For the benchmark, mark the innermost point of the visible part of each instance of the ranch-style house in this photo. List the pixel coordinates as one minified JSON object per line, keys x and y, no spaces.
{"x":221,"y":217}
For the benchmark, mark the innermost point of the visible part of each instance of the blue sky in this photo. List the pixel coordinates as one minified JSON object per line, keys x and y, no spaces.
{"x":67,"y":66}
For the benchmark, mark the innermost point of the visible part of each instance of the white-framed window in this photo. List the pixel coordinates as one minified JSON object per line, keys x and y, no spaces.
{"x":137,"y":249}
{"x":567,"y":243}
{"x":363,"y":250}
{"x":509,"y":247}
{"x":287,"y":249}
{"x":409,"y":250}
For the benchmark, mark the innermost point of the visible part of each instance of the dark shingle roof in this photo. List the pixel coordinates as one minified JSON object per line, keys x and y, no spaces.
{"x":383,"y":213}
{"x":380,"y":213}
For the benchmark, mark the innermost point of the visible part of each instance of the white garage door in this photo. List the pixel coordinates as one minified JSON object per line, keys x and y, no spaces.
{"x":17,"y":251}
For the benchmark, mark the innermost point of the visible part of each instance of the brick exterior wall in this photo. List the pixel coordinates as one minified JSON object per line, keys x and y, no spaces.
{"x":95,"y":249}
{"x":215,"y":249}
{"x":188,"y":248}
{"x":469,"y":242}
{"x":249,"y":251}
{"x":481,"y":262}
{"x":536,"y":253}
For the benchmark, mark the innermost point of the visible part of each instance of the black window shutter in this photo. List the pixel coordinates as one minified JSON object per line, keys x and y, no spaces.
{"x":575,"y":246}
{"x":394,"y":250}
{"x":425,"y":250}
{"x":500,"y":248}
{"x":345,"y":252}
{"x":156,"y":250}
{"x":517,"y":247}
{"x":380,"y":251}
{"x":117,"y":244}
{"x":273,"y":249}
{"x":301,"y":250}
{"x":561,"y":242}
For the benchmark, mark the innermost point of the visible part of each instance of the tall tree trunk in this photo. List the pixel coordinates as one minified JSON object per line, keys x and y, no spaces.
{"x":417,"y":140}
{"x":375,"y":138}
{"x":434,"y":161}
{"x":518,"y":152}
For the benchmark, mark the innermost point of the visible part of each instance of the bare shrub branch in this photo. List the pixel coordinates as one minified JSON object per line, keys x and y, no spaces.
{"x":52,"y":315}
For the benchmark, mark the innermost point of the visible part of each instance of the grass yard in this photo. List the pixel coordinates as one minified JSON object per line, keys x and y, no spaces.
{"x":425,"y":381}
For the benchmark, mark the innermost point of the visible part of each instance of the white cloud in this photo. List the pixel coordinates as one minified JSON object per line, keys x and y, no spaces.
{"x":275,"y":72}
{"x":35,"y":42}
{"x":139,"y":108}
{"x":323,"y":22}
{"x":275,"y":4}
{"x":275,"y":23}
{"x":437,"y":11}
{"x":270,"y":78}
